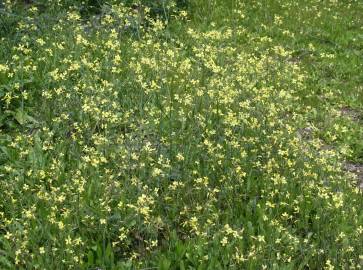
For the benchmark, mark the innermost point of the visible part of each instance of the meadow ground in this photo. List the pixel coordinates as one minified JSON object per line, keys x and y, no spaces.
{"x":195,"y":134}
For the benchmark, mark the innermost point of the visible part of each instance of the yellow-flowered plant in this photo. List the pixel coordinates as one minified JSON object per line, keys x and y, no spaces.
{"x":184,"y":139}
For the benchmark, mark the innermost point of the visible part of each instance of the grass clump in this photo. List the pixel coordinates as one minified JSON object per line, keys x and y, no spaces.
{"x":182,"y":144}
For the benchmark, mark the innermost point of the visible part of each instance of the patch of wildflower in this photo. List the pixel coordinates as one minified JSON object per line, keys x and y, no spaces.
{"x":142,"y":138}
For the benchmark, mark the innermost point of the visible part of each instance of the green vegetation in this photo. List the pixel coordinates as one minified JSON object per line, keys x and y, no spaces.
{"x":193,"y":134}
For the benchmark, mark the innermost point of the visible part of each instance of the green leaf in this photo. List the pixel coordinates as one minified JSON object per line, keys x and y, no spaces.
{"x":90,"y":258}
{"x":20,"y":116}
{"x":181,"y":265}
{"x":164,"y":263}
{"x":23,"y":118}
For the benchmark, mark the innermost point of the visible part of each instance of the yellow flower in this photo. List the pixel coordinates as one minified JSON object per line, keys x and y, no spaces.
{"x":179,"y":157}
{"x":224,"y":241}
{"x":3,"y":68}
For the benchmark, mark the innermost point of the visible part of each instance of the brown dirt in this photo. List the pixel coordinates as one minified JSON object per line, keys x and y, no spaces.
{"x":357,"y":169}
